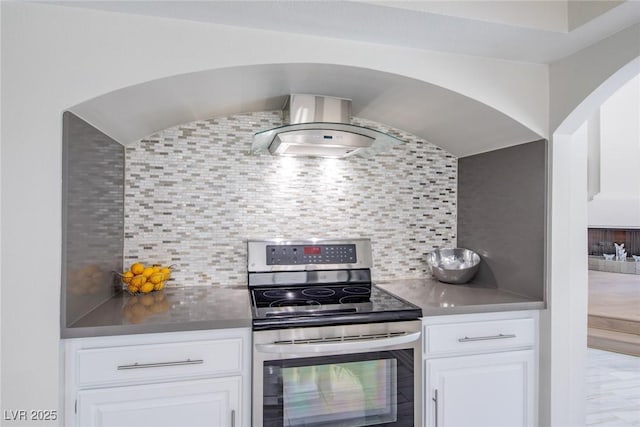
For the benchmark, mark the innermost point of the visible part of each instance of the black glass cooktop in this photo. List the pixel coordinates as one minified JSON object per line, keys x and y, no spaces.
{"x":304,"y":296}
{"x":321,"y":305}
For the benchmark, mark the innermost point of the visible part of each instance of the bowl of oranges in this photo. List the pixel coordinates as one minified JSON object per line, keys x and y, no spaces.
{"x":144,"y":279}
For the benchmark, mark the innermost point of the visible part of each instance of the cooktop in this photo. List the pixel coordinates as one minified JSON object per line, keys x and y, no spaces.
{"x":291,"y":308}
{"x":318,"y":283}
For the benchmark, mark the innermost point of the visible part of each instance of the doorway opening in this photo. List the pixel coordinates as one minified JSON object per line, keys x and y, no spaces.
{"x":569,"y":295}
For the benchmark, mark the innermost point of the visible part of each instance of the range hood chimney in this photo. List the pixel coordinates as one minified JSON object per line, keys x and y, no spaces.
{"x":319,"y":126}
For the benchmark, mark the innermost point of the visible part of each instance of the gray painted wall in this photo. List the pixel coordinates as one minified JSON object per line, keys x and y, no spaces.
{"x":501,"y":216}
{"x":92,"y":217}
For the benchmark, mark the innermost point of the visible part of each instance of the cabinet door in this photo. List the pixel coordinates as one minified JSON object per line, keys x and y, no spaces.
{"x":211,"y":402}
{"x":486,"y":390}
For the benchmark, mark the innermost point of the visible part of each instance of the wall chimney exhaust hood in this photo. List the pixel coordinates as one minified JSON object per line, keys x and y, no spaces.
{"x":319,"y":126}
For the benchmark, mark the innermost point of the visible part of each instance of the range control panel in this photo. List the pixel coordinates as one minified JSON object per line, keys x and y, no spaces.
{"x":308,"y":254}
{"x":311,"y":254}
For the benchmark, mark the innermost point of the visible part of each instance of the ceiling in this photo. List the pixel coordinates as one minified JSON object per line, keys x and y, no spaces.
{"x":527,"y":31}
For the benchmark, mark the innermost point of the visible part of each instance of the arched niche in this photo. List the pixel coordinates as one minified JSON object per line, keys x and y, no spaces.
{"x":455,"y":122}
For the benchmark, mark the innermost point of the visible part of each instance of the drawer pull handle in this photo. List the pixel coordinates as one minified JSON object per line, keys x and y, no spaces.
{"x":492,"y":337}
{"x":161,"y":364}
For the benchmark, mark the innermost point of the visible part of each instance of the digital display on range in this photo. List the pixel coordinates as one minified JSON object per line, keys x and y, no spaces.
{"x":312,"y":250}
{"x":311,"y":254}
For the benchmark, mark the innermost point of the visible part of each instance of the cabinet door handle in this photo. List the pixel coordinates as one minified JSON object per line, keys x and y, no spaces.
{"x":233,"y":418}
{"x":161,"y":364}
{"x":491,"y":337}
{"x":435,"y":406}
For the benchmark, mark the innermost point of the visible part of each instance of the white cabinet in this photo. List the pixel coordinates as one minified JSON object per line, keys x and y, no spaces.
{"x":212,"y":402}
{"x":197,"y":378}
{"x":484,"y":390}
{"x":481,"y":370}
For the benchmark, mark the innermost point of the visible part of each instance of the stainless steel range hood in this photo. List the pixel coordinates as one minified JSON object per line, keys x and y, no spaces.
{"x":319,"y":126}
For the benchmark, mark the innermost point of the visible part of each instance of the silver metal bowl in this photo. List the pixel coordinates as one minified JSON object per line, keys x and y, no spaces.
{"x":455,"y":265}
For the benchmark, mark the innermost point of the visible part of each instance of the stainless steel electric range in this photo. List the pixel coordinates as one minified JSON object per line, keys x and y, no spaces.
{"x":330,"y":348}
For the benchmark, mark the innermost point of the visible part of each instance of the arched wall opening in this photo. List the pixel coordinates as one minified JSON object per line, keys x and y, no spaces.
{"x":428,"y":114}
{"x":563,"y":348}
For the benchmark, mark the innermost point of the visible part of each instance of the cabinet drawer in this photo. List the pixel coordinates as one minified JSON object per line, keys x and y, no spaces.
{"x":479,"y":336}
{"x":153,"y":362}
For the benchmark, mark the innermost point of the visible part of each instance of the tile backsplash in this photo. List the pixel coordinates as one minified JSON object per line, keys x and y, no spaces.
{"x":194,"y":195}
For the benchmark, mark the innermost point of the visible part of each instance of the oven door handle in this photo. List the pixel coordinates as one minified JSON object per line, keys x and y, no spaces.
{"x":338,"y":346}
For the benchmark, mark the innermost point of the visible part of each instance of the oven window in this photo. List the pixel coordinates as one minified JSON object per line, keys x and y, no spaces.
{"x":346,"y":390}
{"x":340,"y":391}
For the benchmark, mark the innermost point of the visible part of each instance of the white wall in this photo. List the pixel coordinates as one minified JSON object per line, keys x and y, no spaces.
{"x":564,"y":342}
{"x":1,"y":259}
{"x":593,"y":155}
{"x":617,"y":204}
{"x":55,"y":57}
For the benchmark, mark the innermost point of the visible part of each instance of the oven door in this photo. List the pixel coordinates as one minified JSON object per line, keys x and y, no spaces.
{"x":338,"y":376}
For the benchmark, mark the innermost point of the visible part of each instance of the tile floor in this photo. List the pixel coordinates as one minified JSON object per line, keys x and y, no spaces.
{"x":613,"y":389}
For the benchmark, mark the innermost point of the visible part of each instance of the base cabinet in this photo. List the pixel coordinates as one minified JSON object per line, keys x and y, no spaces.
{"x":159,"y":380}
{"x":481,"y":370}
{"x":488,"y":390}
{"x":213,"y":402}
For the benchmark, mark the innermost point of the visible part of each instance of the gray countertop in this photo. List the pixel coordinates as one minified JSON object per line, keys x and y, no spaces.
{"x":207,"y":307}
{"x":436,"y":298}
{"x":172,"y":309}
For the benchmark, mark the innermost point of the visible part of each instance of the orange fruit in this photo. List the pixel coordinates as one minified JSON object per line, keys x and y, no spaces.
{"x":137,"y":268}
{"x":126,"y":277}
{"x":147,"y":271}
{"x":156,"y":278}
{"x":158,"y":286}
{"x":138,"y":280}
{"x":146,"y":288}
